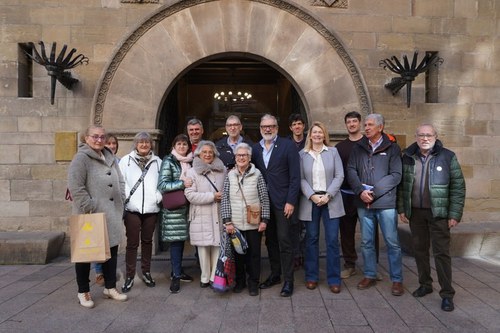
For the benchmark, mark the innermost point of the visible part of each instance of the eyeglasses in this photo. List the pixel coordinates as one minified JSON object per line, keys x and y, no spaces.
{"x":241,"y":155}
{"x":233,"y":125}
{"x":98,"y":137}
{"x":425,"y":136}
{"x":264,"y":127}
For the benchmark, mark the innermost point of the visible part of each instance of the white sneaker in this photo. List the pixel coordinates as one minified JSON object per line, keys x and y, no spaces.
{"x":348,"y":272}
{"x":85,"y":300}
{"x":114,"y":294}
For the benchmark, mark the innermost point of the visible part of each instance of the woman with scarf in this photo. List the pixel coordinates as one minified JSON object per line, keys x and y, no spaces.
{"x":173,"y":223}
{"x":208,"y":173}
{"x":140,"y":168}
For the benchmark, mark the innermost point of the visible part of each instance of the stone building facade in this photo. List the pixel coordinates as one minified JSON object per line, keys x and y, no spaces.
{"x":328,"y":51}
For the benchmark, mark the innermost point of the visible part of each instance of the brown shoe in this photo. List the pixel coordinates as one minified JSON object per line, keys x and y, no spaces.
{"x":397,"y":289}
{"x":366,"y":283}
{"x":311,"y":285}
{"x":335,"y":288}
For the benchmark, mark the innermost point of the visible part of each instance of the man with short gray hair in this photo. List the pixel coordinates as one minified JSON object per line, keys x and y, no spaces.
{"x":374,"y":172}
{"x":431,"y":198}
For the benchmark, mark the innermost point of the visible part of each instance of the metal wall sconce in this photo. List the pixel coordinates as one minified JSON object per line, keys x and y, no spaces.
{"x":57,"y":67}
{"x":408,"y":72}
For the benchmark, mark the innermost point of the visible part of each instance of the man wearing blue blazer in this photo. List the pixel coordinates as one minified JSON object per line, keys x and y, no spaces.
{"x":278,"y":160}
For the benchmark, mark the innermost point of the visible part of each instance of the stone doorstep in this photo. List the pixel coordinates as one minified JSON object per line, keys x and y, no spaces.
{"x":467,"y":239}
{"x":33,"y":247}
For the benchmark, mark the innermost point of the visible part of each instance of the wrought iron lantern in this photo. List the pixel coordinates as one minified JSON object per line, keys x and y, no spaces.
{"x":57,"y":68}
{"x":408,"y":72}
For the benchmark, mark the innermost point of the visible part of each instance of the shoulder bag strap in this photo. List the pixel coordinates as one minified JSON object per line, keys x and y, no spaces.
{"x":139,"y":181}
{"x":215,"y":188}
{"x":241,"y":189}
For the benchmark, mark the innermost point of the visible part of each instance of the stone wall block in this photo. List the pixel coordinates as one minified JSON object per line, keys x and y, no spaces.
{"x":31,"y":190}
{"x":17,"y":33}
{"x":449,"y":26}
{"x":89,"y":35}
{"x":104,"y":17}
{"x":478,"y":189}
{"x":49,"y":208}
{"x":363,"y":41}
{"x":477,"y":156}
{"x":52,"y":15}
{"x":401,"y":42}
{"x":57,"y":33}
{"x":432,"y":8}
{"x":486,"y":94}
{"x":412,"y":25}
{"x":5,"y":190}
{"x":14,"y":208}
{"x":262,"y":25}
{"x":476,"y":127}
{"x":466,"y":8}
{"x":37,"y":154}
{"x":29,"y":124}
{"x":9,"y":154}
{"x":373,"y":24}
{"x":50,"y":172}
{"x":59,"y":188}
{"x":14,"y":172}
{"x":235,"y":22}
{"x":8,"y":124}
{"x":207,"y":28}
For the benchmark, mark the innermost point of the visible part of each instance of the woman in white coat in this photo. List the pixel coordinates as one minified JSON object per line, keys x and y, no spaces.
{"x":321,"y":173}
{"x":205,"y":225}
{"x":141,"y":206}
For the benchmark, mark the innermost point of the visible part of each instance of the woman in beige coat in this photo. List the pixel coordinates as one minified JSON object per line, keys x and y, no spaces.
{"x":205,"y":226}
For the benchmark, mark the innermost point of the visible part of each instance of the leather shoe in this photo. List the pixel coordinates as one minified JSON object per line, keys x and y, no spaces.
{"x":421,"y":291}
{"x":335,"y":288}
{"x":397,"y":289}
{"x":287,"y":289}
{"x":447,"y":304}
{"x":270,"y":281}
{"x":366,"y":283}
{"x":311,"y":285}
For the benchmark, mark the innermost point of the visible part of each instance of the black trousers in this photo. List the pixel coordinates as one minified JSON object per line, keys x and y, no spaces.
{"x":108,"y":270}
{"x":248,"y":264}
{"x":279,"y":235}
{"x":426,"y":230}
{"x":347,"y":228}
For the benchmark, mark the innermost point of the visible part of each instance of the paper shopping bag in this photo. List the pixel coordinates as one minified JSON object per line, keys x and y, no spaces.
{"x":89,"y":238}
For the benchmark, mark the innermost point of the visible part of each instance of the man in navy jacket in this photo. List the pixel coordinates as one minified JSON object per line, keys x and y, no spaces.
{"x":278,"y":160}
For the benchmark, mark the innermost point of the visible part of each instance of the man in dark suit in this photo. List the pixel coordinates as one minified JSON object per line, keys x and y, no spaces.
{"x":278,"y":160}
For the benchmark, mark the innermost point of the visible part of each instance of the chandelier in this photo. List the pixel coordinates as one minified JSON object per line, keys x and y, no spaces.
{"x":231,"y":97}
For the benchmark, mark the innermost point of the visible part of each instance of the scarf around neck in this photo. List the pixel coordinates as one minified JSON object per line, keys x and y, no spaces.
{"x":185,"y":162}
{"x":142,"y":161}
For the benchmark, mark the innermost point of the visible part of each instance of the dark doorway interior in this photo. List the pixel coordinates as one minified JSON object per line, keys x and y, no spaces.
{"x":193,"y":96}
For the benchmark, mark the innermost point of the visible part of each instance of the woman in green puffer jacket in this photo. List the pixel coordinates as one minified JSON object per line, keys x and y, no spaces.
{"x":173,"y":223}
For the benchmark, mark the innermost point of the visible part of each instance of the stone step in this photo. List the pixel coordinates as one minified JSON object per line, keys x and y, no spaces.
{"x":33,"y":247}
{"x":467,"y":239}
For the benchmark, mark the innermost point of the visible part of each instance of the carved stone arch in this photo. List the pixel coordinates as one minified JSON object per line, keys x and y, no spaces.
{"x":153,"y":56}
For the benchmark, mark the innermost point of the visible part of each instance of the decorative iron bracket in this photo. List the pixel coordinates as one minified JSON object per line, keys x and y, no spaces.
{"x":408,"y":72}
{"x":57,"y":67}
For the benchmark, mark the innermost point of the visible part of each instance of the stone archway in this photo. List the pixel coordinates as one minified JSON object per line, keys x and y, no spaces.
{"x":151,"y":59}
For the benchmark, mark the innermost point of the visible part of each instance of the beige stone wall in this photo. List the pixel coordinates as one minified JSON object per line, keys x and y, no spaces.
{"x":32,"y":184}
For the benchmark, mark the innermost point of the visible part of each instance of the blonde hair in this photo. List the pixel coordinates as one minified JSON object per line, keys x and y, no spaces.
{"x":326,"y":139}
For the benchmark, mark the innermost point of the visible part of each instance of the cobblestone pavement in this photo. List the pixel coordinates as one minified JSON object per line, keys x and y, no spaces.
{"x":42,"y":298}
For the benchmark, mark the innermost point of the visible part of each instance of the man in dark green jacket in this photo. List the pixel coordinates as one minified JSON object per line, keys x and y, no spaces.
{"x":431,"y":198}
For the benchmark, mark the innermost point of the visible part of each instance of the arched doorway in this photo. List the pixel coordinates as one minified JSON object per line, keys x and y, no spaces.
{"x":153,"y":58}
{"x":223,"y":85}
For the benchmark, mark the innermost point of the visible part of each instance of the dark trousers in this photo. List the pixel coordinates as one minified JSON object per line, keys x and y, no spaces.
{"x":248,"y":265}
{"x":139,"y":228}
{"x":348,"y":231}
{"x":176,"y":254}
{"x":426,"y":230}
{"x":298,"y":234}
{"x":108,"y":270}
{"x":279,"y":244}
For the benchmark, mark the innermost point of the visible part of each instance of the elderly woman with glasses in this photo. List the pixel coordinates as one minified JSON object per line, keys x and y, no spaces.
{"x":97,"y":186}
{"x":140,"y":168}
{"x":245,"y":185}
{"x":205,"y":226}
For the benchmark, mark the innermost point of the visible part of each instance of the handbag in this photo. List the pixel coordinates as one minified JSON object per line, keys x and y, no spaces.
{"x":174,"y":199}
{"x":253,"y":210}
{"x":89,"y":238}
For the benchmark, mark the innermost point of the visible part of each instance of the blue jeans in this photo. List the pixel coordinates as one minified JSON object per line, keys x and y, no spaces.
{"x":388,"y":221}
{"x":311,"y":263}
{"x":176,"y":253}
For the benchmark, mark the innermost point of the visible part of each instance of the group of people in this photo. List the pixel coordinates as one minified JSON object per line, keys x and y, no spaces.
{"x":297,"y":181}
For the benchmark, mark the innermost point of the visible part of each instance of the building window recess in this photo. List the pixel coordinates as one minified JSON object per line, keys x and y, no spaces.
{"x":432,"y":81}
{"x":24,"y":71}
